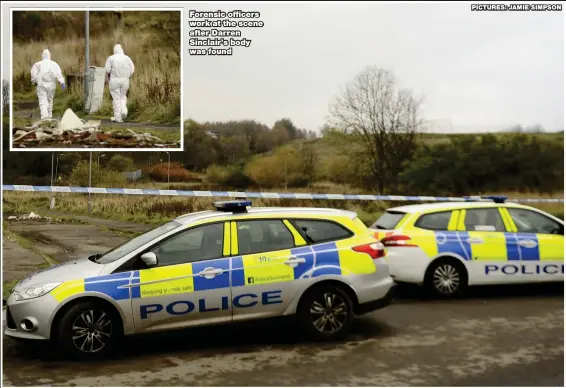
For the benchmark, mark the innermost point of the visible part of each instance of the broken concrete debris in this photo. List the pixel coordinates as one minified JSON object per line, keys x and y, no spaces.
{"x":29,"y":217}
{"x":72,"y":131}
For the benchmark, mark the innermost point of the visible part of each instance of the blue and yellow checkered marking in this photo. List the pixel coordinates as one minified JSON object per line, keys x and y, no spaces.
{"x":115,"y":285}
{"x":218,"y":282}
{"x":528,"y":253}
{"x":505,"y":247}
{"x":247,"y":270}
{"x":513,"y":251}
{"x":453,"y":242}
{"x":327,"y":260}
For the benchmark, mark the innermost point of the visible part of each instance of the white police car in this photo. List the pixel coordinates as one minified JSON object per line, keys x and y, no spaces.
{"x":449,"y":246}
{"x":232,"y":264}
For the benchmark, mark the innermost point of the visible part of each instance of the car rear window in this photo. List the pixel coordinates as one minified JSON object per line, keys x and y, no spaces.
{"x":320,"y":231}
{"x":389,"y":220}
{"x":434,"y":221}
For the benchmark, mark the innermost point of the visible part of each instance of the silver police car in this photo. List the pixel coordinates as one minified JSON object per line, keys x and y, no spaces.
{"x":234,"y":263}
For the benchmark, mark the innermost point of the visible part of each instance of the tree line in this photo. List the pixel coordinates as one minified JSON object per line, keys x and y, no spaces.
{"x":373,"y":142}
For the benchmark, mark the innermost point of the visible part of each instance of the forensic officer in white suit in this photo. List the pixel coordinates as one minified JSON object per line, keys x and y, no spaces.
{"x":45,"y":75}
{"x":119,"y":68}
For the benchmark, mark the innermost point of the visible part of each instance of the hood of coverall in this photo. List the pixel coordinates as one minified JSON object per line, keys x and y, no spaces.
{"x":46,"y":54}
{"x":118,"y":49}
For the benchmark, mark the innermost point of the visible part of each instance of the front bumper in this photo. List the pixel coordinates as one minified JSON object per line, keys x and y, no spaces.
{"x":36,"y":311}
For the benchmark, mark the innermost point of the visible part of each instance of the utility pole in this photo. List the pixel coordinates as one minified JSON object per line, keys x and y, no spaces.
{"x":87,"y":59}
{"x":89,"y":181}
{"x":168,"y":165}
{"x":285,"y":173}
{"x":51,"y":204}
{"x":98,"y":165}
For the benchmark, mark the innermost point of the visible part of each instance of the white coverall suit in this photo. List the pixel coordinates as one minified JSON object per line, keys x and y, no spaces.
{"x":45,"y":75}
{"x":120,"y":67}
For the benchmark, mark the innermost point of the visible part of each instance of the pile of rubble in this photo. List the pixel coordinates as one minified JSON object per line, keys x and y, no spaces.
{"x":73,"y":132}
{"x":29,"y":217}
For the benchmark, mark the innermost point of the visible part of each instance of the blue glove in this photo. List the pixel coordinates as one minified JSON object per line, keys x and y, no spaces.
{"x":63,"y":87}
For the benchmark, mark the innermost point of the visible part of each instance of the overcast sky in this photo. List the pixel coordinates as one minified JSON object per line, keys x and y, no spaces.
{"x":477,"y":70}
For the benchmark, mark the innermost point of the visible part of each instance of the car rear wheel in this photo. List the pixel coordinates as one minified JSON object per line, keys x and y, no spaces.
{"x":326,"y":313}
{"x":89,"y":329}
{"x":447,"y":278}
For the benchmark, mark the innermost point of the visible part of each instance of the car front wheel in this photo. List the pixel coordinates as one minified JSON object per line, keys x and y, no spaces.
{"x":89,"y":329}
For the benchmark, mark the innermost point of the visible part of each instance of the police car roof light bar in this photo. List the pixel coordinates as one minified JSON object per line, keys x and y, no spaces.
{"x":496,"y":198}
{"x":232,"y":206}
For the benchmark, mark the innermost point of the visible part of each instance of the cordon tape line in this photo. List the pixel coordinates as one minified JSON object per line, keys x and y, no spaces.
{"x":246,"y":194}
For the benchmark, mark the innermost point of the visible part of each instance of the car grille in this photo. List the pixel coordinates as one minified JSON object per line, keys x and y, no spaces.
{"x":9,"y":320}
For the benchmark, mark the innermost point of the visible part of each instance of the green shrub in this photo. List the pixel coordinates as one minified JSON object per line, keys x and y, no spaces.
{"x":121,"y":163}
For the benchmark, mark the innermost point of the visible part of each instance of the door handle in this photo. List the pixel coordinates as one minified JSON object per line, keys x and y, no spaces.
{"x":474,"y":241}
{"x":294,"y":261}
{"x":528,"y":243}
{"x":210,"y":272}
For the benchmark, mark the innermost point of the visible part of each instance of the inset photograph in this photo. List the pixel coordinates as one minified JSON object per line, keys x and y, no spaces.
{"x":96,"y":80}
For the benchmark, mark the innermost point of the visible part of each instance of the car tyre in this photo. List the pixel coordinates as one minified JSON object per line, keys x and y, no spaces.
{"x":89,"y":330}
{"x":447,"y":278}
{"x":326,"y":313}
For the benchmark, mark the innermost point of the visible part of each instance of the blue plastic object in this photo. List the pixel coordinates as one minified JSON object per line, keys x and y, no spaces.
{"x":63,"y":86}
{"x":496,"y":198}
{"x":232,"y":206}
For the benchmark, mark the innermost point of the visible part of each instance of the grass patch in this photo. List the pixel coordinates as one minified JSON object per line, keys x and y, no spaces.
{"x":119,"y":232}
{"x":30,"y":246}
{"x":167,"y":135}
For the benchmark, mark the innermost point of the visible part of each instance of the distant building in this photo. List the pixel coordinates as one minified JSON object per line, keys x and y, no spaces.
{"x":133,"y":175}
{"x":214,"y":135}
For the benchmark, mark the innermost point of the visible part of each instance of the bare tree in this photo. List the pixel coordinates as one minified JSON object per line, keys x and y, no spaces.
{"x":385,"y":115}
{"x":5,"y":98}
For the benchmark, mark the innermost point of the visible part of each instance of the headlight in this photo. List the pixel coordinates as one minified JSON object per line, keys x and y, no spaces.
{"x":35,"y":291}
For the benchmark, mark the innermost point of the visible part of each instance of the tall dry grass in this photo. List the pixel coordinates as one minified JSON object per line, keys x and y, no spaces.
{"x":154,"y":93}
{"x":155,"y":210}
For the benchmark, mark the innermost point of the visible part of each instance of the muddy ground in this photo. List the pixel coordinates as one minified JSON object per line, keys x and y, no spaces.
{"x":496,"y":336}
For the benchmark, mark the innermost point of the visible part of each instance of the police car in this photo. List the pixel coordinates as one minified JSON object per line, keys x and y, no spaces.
{"x":235,"y":263}
{"x":449,"y":246}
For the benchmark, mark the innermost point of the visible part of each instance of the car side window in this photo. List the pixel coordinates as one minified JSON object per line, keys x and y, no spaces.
{"x":318,"y":231}
{"x":528,"y":221}
{"x":484,"y":220}
{"x":263,"y":236}
{"x":434,"y":221}
{"x":196,"y":244}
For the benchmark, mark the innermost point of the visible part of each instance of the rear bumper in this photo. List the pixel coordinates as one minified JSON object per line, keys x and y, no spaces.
{"x":407,"y":264}
{"x":364,"y":308}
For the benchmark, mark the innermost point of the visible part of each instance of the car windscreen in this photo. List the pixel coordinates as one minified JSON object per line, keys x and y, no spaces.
{"x":135,"y":243}
{"x":388,"y":220}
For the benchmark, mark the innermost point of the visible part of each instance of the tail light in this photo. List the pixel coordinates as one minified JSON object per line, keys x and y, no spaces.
{"x":375,"y":250}
{"x":397,"y":241}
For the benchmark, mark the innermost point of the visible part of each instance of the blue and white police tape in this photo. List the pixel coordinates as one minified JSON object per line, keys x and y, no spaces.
{"x":247,"y":194}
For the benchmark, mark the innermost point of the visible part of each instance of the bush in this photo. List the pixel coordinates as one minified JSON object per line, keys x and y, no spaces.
{"x":216,"y":174}
{"x":482,"y":163}
{"x":229,"y":176}
{"x":100,"y":177}
{"x":177,"y":173}
{"x":266,"y":171}
{"x":121,"y":163}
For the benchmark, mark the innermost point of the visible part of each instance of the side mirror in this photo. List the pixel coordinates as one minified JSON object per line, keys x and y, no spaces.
{"x":149,"y":259}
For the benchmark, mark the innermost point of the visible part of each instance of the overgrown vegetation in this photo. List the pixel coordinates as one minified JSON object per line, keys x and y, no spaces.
{"x":150,"y":38}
